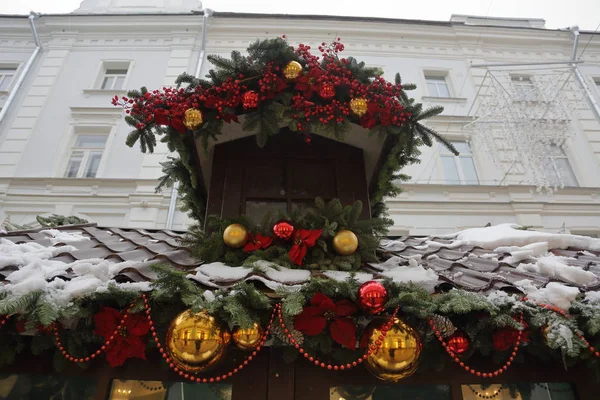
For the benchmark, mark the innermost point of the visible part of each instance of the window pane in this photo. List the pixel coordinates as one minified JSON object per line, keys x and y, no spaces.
{"x":462,"y":147}
{"x":157,"y":390}
{"x":116,"y":72}
{"x":93,"y":163}
{"x":468,"y":170}
{"x":564,"y":170}
{"x":120,"y":82}
{"x":442,"y":88}
{"x":404,"y":392}
{"x":91,"y":141}
{"x":432,"y":89}
{"x":450,"y":171}
{"x":18,"y":387}
{"x":537,"y":391}
{"x":107,"y":83}
{"x":74,"y":164}
{"x":5,"y":80}
{"x":265,"y":181}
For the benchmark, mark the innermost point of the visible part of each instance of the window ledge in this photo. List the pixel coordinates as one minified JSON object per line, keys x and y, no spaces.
{"x":444,"y":99}
{"x":4,"y":92}
{"x":112,"y":92}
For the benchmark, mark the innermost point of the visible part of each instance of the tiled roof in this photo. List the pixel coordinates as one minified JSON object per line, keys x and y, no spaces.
{"x":456,"y":265}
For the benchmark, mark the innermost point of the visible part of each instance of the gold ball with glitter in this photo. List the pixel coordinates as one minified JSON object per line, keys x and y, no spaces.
{"x":345,"y":242}
{"x":247,"y":338}
{"x":292,"y":70}
{"x":235,"y":235}
{"x":196,"y":341}
{"x":192,"y":119}
{"x":359,"y":106}
{"x":398,"y":355}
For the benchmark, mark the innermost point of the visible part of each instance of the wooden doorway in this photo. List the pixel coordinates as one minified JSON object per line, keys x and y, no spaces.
{"x":286,"y":175}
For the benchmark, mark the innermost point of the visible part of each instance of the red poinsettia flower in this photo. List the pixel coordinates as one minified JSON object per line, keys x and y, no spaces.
{"x":257,"y":242}
{"x":303,"y":239}
{"x":375,"y":115}
{"x":230,"y":117}
{"x":313,"y":319}
{"x":505,"y":338}
{"x":308,"y":84}
{"x":128,"y":343}
{"x":165,"y":117}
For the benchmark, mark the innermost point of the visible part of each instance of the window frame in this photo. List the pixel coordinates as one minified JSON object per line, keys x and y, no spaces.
{"x":524,"y":91}
{"x":437,"y":79}
{"x":457,"y":163}
{"x":552,"y":159}
{"x":7,"y":66}
{"x":87,"y":152}
{"x":107,"y":65}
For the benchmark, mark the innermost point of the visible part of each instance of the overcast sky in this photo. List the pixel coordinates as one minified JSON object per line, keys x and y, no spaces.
{"x":557,"y":13}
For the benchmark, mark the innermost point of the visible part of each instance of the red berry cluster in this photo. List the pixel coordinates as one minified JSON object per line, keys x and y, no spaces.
{"x":321,"y":95}
{"x":250,"y":99}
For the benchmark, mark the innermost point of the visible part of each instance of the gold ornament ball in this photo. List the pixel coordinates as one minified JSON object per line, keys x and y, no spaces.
{"x":398,"y":355}
{"x":196,"y":342}
{"x":345,"y":242}
{"x":247,"y":338}
{"x":235,"y":235}
{"x":192,"y":119}
{"x":292,"y":70}
{"x":359,"y":106}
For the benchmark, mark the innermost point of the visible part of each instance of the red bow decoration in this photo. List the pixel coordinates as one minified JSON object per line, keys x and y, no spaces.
{"x":313,"y":319}
{"x":257,"y":242}
{"x":303,"y":239}
{"x":128,"y":342}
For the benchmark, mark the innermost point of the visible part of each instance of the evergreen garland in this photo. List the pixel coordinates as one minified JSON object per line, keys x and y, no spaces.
{"x":160,"y":114}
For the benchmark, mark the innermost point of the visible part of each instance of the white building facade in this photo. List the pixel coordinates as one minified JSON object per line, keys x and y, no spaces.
{"x":62,"y":144}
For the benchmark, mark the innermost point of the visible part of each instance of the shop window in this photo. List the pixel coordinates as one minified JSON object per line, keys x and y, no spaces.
{"x":405,"y":392}
{"x":21,"y":386}
{"x":519,"y":391}
{"x":161,"y":390}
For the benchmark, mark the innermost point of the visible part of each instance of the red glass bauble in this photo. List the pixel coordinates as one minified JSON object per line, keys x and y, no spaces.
{"x":327,"y":90}
{"x":459,"y":343}
{"x":283,"y":230}
{"x":372,"y":297}
{"x":250,"y":99}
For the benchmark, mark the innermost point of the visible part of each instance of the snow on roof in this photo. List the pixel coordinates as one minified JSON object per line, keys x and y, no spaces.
{"x":73,"y":261}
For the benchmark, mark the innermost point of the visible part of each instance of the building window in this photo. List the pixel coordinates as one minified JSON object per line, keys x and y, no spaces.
{"x":524,"y":88}
{"x":85,"y":156}
{"x":459,"y":170}
{"x":113,"y":75}
{"x":557,"y":168}
{"x":7,"y":75}
{"x":437,"y":85}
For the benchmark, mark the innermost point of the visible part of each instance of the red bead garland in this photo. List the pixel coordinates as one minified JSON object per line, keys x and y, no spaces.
{"x":192,"y":377}
{"x":474,"y":371}
{"x":107,"y":343}
{"x":342,"y":367}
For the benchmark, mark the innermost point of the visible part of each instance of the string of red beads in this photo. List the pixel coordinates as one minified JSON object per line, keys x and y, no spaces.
{"x":95,"y":354}
{"x":384,"y":329}
{"x":4,"y":320}
{"x":562,"y":312}
{"x":192,"y":376}
{"x":472,"y":370}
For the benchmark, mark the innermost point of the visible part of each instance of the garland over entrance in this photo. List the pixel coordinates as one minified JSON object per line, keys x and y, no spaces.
{"x":273,"y":86}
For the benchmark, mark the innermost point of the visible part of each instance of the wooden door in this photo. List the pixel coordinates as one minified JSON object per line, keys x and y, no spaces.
{"x":286,"y":175}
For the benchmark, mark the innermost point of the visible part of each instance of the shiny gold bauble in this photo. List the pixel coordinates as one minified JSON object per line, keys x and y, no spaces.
{"x":196,"y":342}
{"x":192,"y":119}
{"x":292,"y":70}
{"x":398,"y":355}
{"x":247,"y":338}
{"x":359,"y":106}
{"x":235,"y":235}
{"x":345,"y":242}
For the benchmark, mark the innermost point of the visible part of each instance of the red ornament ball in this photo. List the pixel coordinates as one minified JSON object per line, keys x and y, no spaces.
{"x":250,"y":99}
{"x":459,"y":343}
{"x":327,"y":90}
{"x":283,"y":230}
{"x":372,"y":297}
